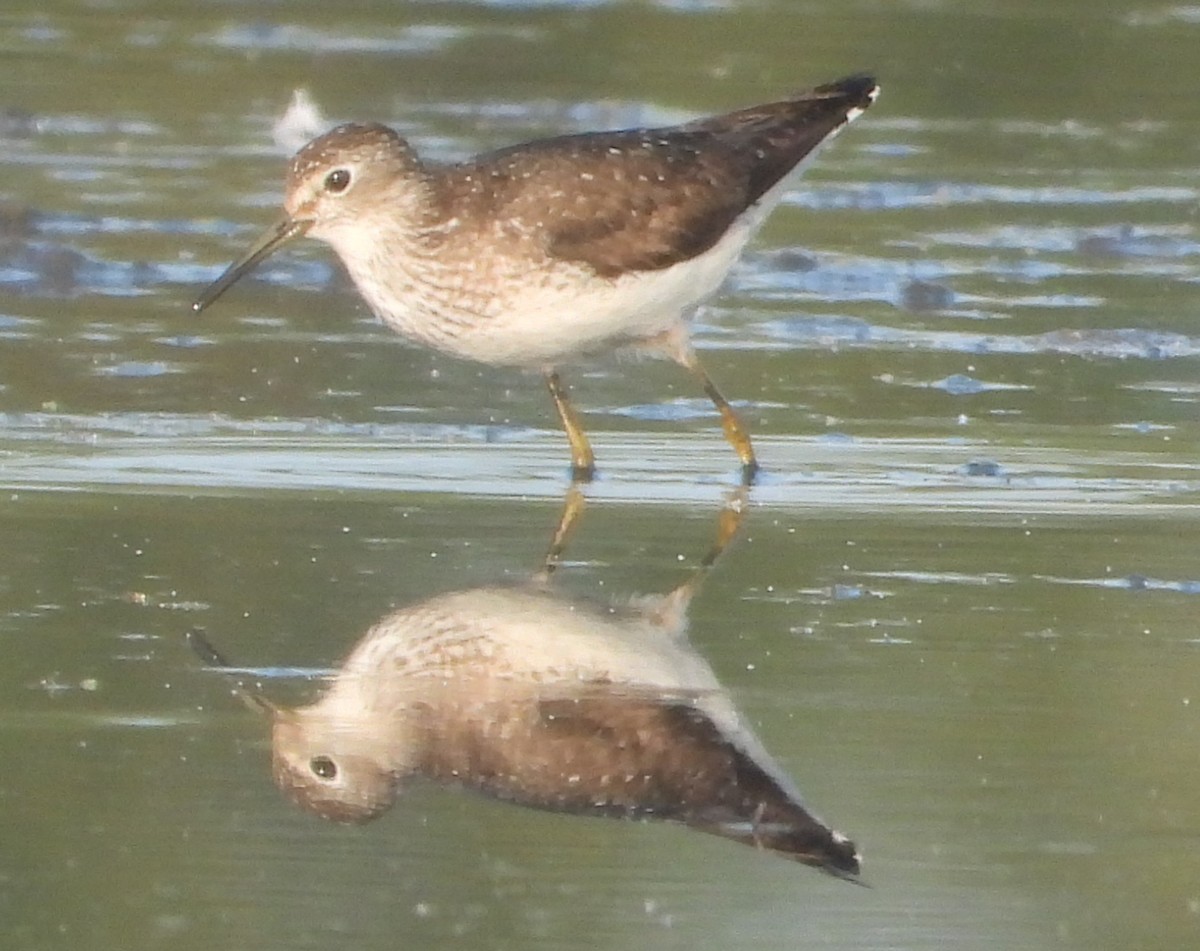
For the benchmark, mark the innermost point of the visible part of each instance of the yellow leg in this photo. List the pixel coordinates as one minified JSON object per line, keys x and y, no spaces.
{"x":572,"y":510}
{"x":583,"y":463}
{"x":735,"y":433}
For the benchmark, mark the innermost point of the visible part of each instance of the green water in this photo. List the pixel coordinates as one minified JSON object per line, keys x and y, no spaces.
{"x":961,"y":611}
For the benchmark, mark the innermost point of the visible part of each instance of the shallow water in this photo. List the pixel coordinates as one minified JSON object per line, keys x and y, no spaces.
{"x":960,"y":612}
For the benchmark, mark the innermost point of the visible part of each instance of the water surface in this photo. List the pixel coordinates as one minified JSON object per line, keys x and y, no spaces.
{"x":960,"y":613}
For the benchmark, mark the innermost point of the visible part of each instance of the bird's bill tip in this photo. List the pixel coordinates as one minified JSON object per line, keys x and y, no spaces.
{"x":250,"y":694}
{"x":281,"y":232}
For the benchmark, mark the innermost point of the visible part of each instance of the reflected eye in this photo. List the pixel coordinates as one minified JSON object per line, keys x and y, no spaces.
{"x":337,"y":181}
{"x":323,"y":767}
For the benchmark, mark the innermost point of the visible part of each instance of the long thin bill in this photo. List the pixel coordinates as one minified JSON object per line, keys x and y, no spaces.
{"x":283,"y":231}
{"x":249,"y":693}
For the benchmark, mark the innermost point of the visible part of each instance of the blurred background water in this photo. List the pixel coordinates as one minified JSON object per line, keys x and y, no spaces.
{"x":960,"y":613}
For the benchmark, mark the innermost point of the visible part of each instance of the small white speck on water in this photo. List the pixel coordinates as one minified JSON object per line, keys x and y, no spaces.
{"x":750,"y":667}
{"x":345,"y":529}
{"x":886,"y":638}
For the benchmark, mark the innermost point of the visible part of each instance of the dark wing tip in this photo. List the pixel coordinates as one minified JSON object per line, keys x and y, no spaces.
{"x":861,"y":89}
{"x":842,"y":860}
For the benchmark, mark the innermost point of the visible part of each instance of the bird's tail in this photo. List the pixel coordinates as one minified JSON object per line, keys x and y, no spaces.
{"x":794,"y":833}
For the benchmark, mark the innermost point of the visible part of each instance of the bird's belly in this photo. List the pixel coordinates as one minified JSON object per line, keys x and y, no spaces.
{"x":553,"y":324}
{"x":551,"y":315}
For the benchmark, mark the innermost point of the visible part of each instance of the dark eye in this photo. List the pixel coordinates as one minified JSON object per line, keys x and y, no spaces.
{"x":323,"y":767}
{"x":338,"y":180}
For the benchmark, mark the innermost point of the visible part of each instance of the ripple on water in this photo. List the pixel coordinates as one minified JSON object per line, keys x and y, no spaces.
{"x":680,"y":409}
{"x":1115,"y":241}
{"x":1126,"y":342}
{"x":263,"y":35}
{"x":858,"y":476}
{"x":140,"y":368}
{"x":962,"y":384}
{"x":894,"y":196}
{"x":1129,"y":582}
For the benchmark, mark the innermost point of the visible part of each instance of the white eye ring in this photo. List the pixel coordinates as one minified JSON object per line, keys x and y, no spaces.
{"x":337,"y":181}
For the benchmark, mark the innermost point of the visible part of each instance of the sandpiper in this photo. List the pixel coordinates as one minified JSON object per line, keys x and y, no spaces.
{"x":547,"y":701}
{"x":546,"y":252}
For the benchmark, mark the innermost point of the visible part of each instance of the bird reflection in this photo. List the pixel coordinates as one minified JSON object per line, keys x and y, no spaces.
{"x":530,"y":696}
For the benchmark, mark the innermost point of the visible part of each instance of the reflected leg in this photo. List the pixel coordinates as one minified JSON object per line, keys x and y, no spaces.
{"x":733,"y":513}
{"x":572,"y":510}
{"x":583,"y":462}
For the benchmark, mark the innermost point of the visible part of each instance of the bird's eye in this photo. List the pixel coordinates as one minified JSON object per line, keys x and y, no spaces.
{"x":323,"y":767}
{"x":337,"y":181}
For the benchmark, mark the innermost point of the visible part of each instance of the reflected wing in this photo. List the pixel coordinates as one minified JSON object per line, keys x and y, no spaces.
{"x":638,"y":758}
